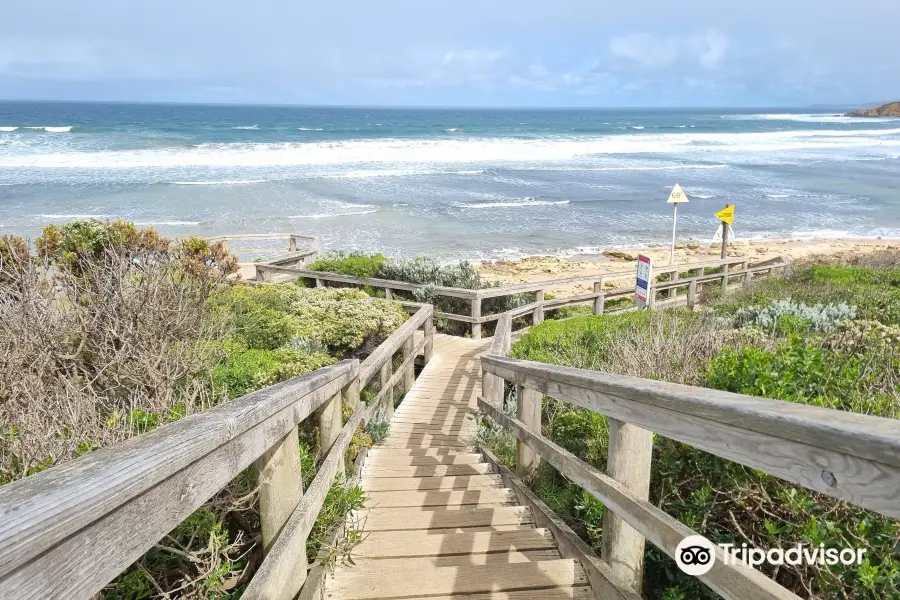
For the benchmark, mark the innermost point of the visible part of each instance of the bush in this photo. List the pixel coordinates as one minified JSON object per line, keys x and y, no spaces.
{"x":247,"y":369}
{"x":343,"y":320}
{"x":356,"y":264}
{"x":785,"y":315}
{"x":797,"y":340}
{"x":429,"y":273}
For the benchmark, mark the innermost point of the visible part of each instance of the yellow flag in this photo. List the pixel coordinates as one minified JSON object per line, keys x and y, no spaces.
{"x":726,"y":214}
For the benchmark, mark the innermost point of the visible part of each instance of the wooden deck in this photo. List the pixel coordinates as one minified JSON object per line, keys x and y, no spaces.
{"x":439,"y":523}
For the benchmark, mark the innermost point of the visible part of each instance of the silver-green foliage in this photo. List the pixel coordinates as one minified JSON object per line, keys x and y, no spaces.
{"x":818,"y":317}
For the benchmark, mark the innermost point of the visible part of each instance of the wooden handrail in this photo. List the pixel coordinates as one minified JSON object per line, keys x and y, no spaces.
{"x":849,"y":456}
{"x":476,"y":319}
{"x":67,"y":531}
{"x":386,"y":350}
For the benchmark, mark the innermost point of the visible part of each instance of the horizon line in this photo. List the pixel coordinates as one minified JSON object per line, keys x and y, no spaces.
{"x":437,"y":106}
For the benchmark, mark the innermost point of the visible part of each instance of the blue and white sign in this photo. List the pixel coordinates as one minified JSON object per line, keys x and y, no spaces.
{"x":644,"y":277}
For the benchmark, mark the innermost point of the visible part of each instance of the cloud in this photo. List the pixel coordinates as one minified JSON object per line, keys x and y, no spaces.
{"x":515,"y":52}
{"x":660,"y":52}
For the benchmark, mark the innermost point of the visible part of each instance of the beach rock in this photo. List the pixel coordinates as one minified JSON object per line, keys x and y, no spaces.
{"x":891,"y":109}
{"x":692,"y":246}
{"x":620,"y":254}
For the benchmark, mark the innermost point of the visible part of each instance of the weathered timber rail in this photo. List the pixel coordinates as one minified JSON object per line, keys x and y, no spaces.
{"x":65,"y":533}
{"x":848,"y":456}
{"x":301,"y":249}
{"x":661,"y":291}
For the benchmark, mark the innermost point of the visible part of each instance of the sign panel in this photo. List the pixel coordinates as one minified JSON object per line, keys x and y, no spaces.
{"x":726,"y":214}
{"x":644,"y":277}
{"x":677,"y":195}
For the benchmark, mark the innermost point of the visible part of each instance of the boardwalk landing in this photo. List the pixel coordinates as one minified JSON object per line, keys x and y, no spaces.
{"x":439,"y":524}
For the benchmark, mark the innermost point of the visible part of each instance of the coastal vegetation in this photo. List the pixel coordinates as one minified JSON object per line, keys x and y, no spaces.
{"x":427,"y":272}
{"x":828,"y":335}
{"x":108,"y":331}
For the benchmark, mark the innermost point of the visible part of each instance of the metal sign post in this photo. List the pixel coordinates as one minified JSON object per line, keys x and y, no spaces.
{"x":644,"y":277}
{"x":727,"y":217}
{"x":675,"y":198}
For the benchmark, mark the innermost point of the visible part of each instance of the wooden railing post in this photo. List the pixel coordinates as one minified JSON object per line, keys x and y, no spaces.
{"x":409,"y":376}
{"x":280,"y":491}
{"x":630,"y":452}
{"x":292,"y":244}
{"x":280,"y":486}
{"x":528,"y":410}
{"x":329,"y":424}
{"x":652,"y":299}
{"x":599,"y":301}
{"x":385,"y":374}
{"x":319,"y":283}
{"x":725,"y":279}
{"x":428,"y":330}
{"x":692,"y":294}
{"x":351,"y":393}
{"x":388,"y":294}
{"x":538,"y":315}
{"x":673,"y":292}
{"x":476,"y":314}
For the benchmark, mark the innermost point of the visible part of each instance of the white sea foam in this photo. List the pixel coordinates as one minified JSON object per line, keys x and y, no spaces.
{"x":8,"y":129}
{"x":452,"y":129}
{"x":701,"y":196}
{"x":310,"y":129}
{"x":246,"y":127}
{"x":223,"y":182}
{"x":806,"y":118}
{"x":329,"y":215}
{"x":523,"y":202}
{"x":73,"y":216}
{"x":637,"y":127}
{"x":431,"y":154}
{"x":65,"y":129}
{"x":167,"y":223}
{"x":779,"y":195}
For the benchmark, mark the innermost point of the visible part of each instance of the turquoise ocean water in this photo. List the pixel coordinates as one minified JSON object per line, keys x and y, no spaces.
{"x":452,"y":182}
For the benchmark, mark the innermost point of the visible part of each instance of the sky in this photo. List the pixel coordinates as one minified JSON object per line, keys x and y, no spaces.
{"x":459,"y":53}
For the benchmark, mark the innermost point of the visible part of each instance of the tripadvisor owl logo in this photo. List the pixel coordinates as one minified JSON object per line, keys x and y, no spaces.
{"x":695,"y":555}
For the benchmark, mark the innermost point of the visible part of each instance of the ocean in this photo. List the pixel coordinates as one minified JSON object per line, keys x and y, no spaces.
{"x":454,"y":183}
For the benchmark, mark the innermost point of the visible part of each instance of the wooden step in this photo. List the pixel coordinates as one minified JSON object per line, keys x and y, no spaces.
{"x":406,"y":564}
{"x":568,"y":593}
{"x":420,"y":443}
{"x":439,"y":451}
{"x":399,"y":544}
{"x":407,"y":518}
{"x":427,"y":470}
{"x":447,"y":498}
{"x":549,"y":574}
{"x":400,"y":460}
{"x":385,"y":484}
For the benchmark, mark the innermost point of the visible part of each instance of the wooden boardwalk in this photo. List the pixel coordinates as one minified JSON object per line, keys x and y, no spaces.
{"x":439,"y":524}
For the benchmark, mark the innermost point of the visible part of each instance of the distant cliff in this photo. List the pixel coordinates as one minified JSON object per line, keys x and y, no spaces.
{"x":891,"y":109}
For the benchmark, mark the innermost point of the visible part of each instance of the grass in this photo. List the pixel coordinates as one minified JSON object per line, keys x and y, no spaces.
{"x":786,"y":339}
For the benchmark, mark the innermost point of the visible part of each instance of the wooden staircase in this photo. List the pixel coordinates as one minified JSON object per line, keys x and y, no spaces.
{"x":439,"y":524}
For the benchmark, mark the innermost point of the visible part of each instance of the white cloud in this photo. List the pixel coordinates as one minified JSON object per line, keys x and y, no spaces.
{"x":660,"y":52}
{"x":644,"y":49}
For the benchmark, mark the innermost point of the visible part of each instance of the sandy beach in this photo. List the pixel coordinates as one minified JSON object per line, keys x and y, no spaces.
{"x":542,"y":268}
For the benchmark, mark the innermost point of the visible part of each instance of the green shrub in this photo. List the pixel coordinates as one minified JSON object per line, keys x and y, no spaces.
{"x":811,"y":350}
{"x":342,"y":320}
{"x":247,"y":369}
{"x":356,"y":264}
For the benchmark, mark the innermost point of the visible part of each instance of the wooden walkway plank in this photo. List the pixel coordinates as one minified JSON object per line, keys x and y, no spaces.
{"x":438,"y":522}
